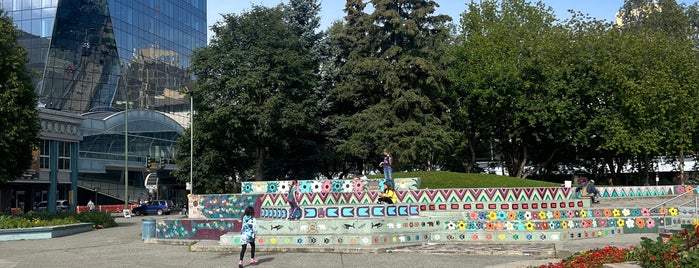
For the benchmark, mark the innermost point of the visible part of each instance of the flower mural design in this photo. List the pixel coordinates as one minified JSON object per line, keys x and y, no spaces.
{"x":510,"y":226}
{"x":626,"y":212}
{"x":598,"y":213}
{"x":650,"y":223}
{"x":451,"y":226}
{"x":549,"y":214}
{"x":520,"y":226}
{"x":630,"y":223}
{"x":645,"y":212}
{"x":528,"y":215}
{"x":635,"y":212}
{"x":499,"y":225}
{"x":462,"y":225}
{"x":542,"y":215}
{"x":511,"y":215}
{"x":473,"y":215}
{"x":571,"y":214}
{"x":529,"y":226}
{"x":482,"y":215}
{"x":471,"y":226}
{"x":501,"y":236}
{"x":620,"y":222}
{"x":602,"y":222}
{"x":673,"y":211}
{"x":502,"y":215}
{"x":490,"y":226}
{"x":564,"y":225}
{"x":337,"y":186}
{"x":272,"y":187}
{"x":247,"y":187}
{"x":327,"y":186}
{"x":557,"y":214}
{"x":583,"y":214}
{"x":283,"y":187}
{"x":492,"y":216}
{"x":305,"y":186}
{"x":616,"y":213}
{"x":316,"y":187}
{"x":347,"y":186}
{"x":640,"y":222}
{"x":607,"y":212}
{"x":359,"y":185}
{"x":259,"y":187}
{"x":520,"y":215}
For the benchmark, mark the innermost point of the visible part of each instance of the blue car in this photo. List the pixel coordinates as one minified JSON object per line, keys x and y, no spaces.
{"x":158,"y":207}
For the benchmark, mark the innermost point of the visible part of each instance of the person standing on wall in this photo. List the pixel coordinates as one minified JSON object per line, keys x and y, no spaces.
{"x":291,"y":198}
{"x":387,"y":165}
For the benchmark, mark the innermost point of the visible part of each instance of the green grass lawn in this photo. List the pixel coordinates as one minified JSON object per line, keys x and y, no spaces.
{"x":445,"y":180}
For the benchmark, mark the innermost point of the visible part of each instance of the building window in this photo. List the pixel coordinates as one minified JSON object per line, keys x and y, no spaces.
{"x":64,"y":155}
{"x":44,"y":154}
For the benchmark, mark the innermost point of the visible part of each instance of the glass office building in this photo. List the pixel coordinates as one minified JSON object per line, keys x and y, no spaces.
{"x":98,"y":59}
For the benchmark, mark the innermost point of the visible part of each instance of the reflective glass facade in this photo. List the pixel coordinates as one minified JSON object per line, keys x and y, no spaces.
{"x":93,"y":56}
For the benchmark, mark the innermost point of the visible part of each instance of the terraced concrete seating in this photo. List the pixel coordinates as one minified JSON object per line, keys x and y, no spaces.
{"x":369,"y":224}
{"x":434,"y":216}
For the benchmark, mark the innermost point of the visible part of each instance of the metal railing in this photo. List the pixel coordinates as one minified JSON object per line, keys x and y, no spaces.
{"x":665,"y":202}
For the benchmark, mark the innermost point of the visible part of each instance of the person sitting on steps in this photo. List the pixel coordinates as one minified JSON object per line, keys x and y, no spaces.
{"x":588,"y":189}
{"x":389,"y":195}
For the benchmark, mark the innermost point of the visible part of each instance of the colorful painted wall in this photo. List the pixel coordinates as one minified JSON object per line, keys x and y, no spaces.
{"x":506,"y":214}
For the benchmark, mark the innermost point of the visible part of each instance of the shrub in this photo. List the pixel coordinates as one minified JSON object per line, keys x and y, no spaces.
{"x":592,"y":259}
{"x":681,"y":250}
{"x":42,"y":219}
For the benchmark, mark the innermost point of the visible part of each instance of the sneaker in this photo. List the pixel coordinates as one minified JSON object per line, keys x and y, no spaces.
{"x":240,"y":264}
{"x":253,"y":261}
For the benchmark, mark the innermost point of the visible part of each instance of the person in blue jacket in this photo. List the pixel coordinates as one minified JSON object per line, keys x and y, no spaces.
{"x":248,"y":232}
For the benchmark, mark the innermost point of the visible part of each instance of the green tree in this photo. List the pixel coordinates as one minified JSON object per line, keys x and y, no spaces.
{"x":391,"y":84}
{"x":657,"y":71}
{"x":20,"y":120}
{"x":255,"y":95}
{"x":517,"y":82}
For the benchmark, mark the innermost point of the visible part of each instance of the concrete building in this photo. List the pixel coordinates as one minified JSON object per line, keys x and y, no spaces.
{"x":111,"y":76}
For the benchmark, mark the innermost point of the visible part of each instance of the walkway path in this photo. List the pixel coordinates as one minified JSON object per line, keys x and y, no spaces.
{"x":122,"y":247}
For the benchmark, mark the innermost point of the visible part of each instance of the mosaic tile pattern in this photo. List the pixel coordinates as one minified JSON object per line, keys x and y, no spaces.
{"x":327,"y":186}
{"x":336,"y":218}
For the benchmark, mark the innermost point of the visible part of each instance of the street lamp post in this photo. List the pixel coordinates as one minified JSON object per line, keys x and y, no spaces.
{"x":191,"y":143}
{"x":126,"y":155}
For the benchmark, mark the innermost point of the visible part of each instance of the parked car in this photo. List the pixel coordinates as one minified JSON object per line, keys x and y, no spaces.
{"x":159,"y":207}
{"x":61,"y":205}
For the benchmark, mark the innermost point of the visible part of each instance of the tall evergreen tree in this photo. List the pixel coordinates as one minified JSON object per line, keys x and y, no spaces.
{"x":391,"y":83}
{"x":19,"y":121}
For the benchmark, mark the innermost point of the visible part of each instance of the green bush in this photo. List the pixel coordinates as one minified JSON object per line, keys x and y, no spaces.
{"x":42,"y":219}
{"x":681,"y":250}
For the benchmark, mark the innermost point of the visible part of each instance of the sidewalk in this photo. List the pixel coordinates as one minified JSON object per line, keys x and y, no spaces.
{"x":122,"y":247}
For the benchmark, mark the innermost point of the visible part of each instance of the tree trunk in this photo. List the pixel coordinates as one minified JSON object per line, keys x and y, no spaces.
{"x":682,"y":167}
{"x":259,"y":162}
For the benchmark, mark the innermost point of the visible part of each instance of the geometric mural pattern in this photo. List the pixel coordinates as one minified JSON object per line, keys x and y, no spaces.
{"x":484,"y":214}
{"x":327,"y":186}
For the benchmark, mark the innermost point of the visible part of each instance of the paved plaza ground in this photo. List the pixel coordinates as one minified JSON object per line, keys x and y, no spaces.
{"x":122,"y":246}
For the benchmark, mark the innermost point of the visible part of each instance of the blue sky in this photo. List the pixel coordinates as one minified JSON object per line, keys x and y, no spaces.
{"x":331,"y":10}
